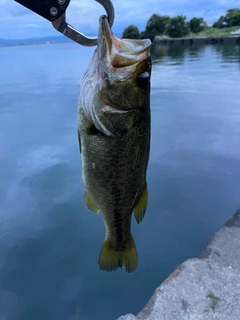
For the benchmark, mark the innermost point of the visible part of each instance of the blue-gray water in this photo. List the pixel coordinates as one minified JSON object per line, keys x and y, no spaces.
{"x":49,"y":241}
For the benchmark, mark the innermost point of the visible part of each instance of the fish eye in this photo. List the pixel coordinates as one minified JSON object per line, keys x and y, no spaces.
{"x":143,"y":80}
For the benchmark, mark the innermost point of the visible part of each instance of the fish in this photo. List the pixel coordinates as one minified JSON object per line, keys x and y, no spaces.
{"x":114,"y":140}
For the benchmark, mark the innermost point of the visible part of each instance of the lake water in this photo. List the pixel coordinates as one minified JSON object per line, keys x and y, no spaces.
{"x":49,"y":241}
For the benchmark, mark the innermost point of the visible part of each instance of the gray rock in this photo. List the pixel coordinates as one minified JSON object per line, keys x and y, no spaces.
{"x":234,"y":221}
{"x":195,"y":290}
{"x":202,"y":289}
{"x":224,"y":248}
{"x":127,"y":317}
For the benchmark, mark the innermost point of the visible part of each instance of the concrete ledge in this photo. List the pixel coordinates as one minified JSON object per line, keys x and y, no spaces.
{"x":205,"y":288}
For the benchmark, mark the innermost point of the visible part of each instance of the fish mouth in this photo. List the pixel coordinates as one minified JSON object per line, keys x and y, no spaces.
{"x":105,"y":38}
{"x":120,"y":53}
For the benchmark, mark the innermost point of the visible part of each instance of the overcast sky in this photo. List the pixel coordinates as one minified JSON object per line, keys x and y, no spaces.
{"x":18,"y":22}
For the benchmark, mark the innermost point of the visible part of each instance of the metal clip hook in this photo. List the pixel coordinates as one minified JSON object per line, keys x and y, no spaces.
{"x":62,"y":26}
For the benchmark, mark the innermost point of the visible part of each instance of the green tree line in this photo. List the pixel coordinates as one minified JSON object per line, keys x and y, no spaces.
{"x":178,"y":26}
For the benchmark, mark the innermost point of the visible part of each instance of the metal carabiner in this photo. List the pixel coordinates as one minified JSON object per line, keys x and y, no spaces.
{"x":62,"y":26}
{"x":55,"y":12}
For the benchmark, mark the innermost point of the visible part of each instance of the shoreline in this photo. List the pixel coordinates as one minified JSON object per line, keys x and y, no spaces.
{"x":230,"y":40}
{"x":203,"y":288}
{"x":220,"y":40}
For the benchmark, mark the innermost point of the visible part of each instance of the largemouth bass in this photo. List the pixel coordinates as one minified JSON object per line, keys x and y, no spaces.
{"x":114,"y":139}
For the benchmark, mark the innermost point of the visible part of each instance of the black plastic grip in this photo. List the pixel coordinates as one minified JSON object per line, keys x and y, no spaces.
{"x":48,"y":9}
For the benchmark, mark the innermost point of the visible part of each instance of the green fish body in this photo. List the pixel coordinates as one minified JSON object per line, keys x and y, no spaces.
{"x":114,"y":139}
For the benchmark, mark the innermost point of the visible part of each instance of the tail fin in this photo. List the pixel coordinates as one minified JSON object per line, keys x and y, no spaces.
{"x":112,"y":258}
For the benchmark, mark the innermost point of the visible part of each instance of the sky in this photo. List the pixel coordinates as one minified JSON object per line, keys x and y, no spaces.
{"x":18,"y":22}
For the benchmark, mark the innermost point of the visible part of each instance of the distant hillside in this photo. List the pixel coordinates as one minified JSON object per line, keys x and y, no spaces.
{"x":21,"y":42}
{"x":51,"y":39}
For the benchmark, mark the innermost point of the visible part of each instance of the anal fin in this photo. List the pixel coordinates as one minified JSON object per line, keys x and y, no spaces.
{"x":90,"y":204}
{"x":141,"y":206}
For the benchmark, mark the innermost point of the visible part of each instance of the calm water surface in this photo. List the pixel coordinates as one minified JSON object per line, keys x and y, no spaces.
{"x":49,"y":241}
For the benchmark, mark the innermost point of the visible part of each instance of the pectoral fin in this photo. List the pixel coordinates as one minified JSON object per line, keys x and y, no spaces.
{"x":120,"y":121}
{"x":90,"y":204}
{"x":110,"y":121}
{"x":141,"y":206}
